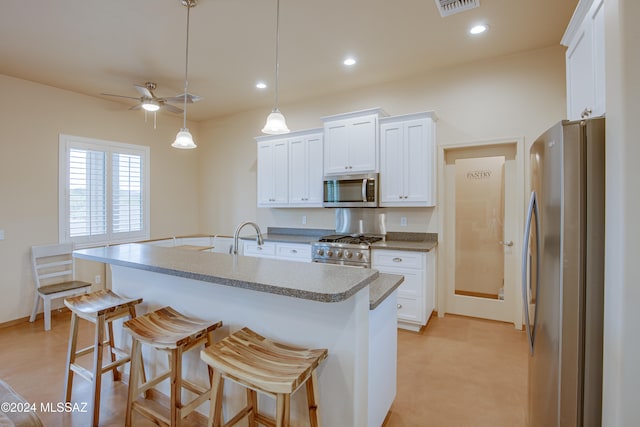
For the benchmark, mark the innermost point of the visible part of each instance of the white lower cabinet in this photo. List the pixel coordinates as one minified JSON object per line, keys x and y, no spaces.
{"x":266,"y":250}
{"x":276,"y":250}
{"x":416,"y":295}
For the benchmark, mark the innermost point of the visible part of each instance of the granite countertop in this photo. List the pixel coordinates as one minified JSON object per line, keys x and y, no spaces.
{"x":312,"y":281}
{"x":421,"y":242}
{"x":382,"y":287}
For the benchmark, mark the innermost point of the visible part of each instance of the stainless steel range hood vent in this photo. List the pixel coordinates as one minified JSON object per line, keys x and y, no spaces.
{"x":450,"y":7}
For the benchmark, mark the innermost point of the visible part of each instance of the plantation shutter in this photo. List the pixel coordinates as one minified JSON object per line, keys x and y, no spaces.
{"x":87,"y":193}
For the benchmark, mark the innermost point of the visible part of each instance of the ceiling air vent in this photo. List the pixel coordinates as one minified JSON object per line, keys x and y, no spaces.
{"x":449,"y":7}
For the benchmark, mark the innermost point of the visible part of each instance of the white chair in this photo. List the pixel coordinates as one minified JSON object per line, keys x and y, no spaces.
{"x":54,"y":274}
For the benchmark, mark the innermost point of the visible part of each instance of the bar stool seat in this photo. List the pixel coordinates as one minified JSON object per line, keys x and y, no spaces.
{"x":262,"y":365}
{"x":101,"y":308}
{"x":170,"y":331}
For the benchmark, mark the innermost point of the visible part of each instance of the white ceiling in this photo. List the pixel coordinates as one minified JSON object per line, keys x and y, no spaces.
{"x":93,"y":46}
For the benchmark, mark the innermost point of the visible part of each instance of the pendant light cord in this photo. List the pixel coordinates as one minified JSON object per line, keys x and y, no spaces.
{"x":186,"y":67}
{"x":277,"y":46}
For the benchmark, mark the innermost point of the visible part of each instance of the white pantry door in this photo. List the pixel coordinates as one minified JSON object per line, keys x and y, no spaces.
{"x":482,"y":210}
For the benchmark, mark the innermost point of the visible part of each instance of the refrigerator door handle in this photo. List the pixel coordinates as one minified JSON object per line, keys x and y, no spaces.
{"x":531,"y":213}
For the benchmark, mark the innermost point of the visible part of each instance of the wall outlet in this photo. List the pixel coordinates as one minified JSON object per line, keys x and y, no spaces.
{"x":1,"y":234}
{"x":403,"y":221}
{"x":304,"y":219}
{"x":98,"y":279}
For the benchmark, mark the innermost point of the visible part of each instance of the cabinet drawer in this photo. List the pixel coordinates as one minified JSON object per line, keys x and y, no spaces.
{"x":252,"y":248}
{"x":413,"y":284}
{"x":296,"y":252}
{"x":398,"y":259}
{"x":409,"y":309}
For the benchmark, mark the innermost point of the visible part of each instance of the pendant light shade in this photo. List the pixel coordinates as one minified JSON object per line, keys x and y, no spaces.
{"x":276,"y":123}
{"x":184,"y":139}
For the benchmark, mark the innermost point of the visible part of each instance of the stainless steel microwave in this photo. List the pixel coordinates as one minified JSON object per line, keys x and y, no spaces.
{"x":351,"y":191}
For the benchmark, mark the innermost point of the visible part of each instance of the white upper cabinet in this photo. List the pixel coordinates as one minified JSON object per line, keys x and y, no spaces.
{"x":351,"y":142}
{"x":305,"y":170}
{"x":407,"y":160}
{"x":273,"y":166}
{"x":290,"y":169}
{"x":585,"y":63}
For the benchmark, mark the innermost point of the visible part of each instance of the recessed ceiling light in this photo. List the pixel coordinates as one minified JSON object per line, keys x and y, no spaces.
{"x":478,"y":29}
{"x":261,"y":85}
{"x":349,"y":61}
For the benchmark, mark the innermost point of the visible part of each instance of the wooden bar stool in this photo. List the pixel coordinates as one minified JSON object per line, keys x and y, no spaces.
{"x":102,"y":308}
{"x":167,"y":330}
{"x":262,"y":365}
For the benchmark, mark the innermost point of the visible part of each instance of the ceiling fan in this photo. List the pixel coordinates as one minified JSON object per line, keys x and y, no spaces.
{"x":150,"y":102}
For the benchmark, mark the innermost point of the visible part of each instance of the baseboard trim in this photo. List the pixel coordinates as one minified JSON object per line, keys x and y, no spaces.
{"x":39,"y":316}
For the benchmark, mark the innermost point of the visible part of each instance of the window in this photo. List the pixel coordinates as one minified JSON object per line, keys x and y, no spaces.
{"x":104,"y":191}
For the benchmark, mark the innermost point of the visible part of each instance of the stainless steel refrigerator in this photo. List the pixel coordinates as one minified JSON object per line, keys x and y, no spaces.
{"x":563,"y":274}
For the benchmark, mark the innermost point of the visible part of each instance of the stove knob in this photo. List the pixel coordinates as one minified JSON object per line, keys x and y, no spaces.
{"x":359,"y":255}
{"x":339,"y":254}
{"x":329,"y":253}
{"x":347,"y":254}
{"x":320,"y":252}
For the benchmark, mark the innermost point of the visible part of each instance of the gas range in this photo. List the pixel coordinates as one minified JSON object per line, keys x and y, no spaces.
{"x":344,"y":249}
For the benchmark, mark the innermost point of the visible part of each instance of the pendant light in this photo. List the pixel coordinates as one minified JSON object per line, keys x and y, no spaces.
{"x":184,"y":139}
{"x":276,"y":123}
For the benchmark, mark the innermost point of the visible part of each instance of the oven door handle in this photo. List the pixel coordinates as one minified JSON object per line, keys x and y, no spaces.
{"x":364,"y":189}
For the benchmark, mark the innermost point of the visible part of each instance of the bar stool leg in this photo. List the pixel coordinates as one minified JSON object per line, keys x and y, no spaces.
{"x":142,"y":373}
{"x":252,"y":400}
{"x":176,"y":387}
{"x":71,"y":356}
{"x":215,"y":404}
{"x":282,"y":410}
{"x":312,"y":392}
{"x":97,"y":369}
{"x":116,"y":373}
{"x":136,"y":363}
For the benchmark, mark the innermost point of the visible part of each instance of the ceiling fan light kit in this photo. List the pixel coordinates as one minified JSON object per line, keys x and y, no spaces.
{"x":276,"y":123}
{"x":184,"y":139}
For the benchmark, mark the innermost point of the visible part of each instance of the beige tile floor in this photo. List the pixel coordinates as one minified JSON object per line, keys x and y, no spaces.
{"x":456,"y":372}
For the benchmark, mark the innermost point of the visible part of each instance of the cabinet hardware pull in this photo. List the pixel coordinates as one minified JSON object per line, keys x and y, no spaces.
{"x":397,"y":259}
{"x":586,"y":113}
{"x":399,"y":306}
{"x":259,"y":248}
{"x":293,"y":251}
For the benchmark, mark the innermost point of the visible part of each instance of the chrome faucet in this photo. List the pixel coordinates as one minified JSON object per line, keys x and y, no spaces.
{"x":236,"y":235}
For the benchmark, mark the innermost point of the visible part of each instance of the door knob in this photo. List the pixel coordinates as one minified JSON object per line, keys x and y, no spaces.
{"x":507,"y":243}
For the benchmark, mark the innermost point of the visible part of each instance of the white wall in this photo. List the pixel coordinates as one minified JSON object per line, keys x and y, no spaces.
{"x":622,"y":266}
{"x":31,"y":118}
{"x":519,"y":95}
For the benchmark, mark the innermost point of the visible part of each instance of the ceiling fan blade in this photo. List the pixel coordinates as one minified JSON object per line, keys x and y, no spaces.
{"x":119,"y":96}
{"x":146,"y":93}
{"x":136,"y":107}
{"x":171,"y":108}
{"x":191,"y":98}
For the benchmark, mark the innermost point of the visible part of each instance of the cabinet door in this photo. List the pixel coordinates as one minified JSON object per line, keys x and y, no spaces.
{"x":314,"y":169}
{"x":273,"y":173}
{"x":298,"y":176}
{"x":419,"y":169}
{"x":336,"y":147}
{"x":580,"y":78}
{"x":392,"y":168}
{"x":362,"y":155}
{"x":265,"y":174}
{"x":597,"y":28}
{"x":305,"y":171}
{"x":281,"y":172}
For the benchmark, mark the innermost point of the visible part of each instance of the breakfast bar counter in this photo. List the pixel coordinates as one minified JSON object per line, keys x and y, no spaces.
{"x":349,"y":311}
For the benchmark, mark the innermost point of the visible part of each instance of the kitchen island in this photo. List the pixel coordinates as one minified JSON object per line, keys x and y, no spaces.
{"x":349,"y":311}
